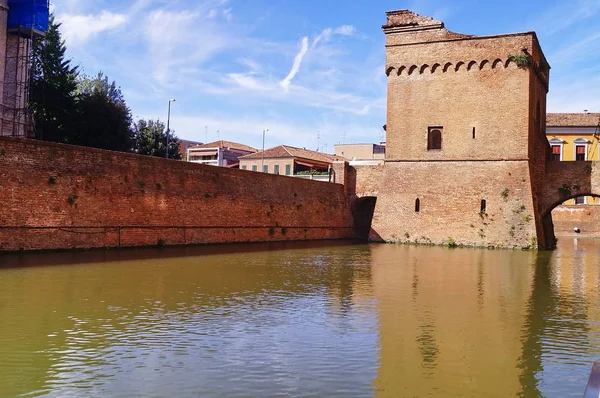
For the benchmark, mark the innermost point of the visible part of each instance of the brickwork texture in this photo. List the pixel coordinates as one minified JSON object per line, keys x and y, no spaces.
{"x":58,"y":196}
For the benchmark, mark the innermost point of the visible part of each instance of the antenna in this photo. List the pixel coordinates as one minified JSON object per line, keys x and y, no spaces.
{"x":206,"y":133}
{"x":344,"y":137}
{"x":218,"y":136}
{"x":318,"y":140}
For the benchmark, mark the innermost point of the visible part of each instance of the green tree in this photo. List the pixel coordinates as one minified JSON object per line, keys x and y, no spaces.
{"x":53,"y":84}
{"x":103,"y":118}
{"x":150,"y":139}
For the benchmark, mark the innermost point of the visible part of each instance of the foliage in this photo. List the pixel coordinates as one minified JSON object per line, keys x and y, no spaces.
{"x":72,"y":108}
{"x":103,"y":118}
{"x":150,"y":139}
{"x":522,"y":60}
{"x":53,"y":84}
{"x":451,"y":243}
{"x":504,"y":193}
{"x":565,"y":190}
{"x":312,"y":172}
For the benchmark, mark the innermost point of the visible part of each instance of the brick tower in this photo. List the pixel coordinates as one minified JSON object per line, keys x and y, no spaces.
{"x":466,"y":148}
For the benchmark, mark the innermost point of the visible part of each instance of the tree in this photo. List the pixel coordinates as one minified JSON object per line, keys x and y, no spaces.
{"x":150,"y":139}
{"x":53,"y":84}
{"x":103,"y":118}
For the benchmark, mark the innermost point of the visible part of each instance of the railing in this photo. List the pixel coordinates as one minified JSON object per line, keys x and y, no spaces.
{"x":593,"y":387}
{"x":324,"y":178}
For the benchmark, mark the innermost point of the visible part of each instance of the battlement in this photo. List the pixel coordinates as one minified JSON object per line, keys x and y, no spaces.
{"x":405,"y":27}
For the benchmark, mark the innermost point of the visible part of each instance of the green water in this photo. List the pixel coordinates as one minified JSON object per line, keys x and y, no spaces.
{"x":301,"y":320}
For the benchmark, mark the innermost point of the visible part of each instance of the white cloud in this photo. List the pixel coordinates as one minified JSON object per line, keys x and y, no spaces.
{"x":285,"y":83}
{"x":77,"y":29}
{"x":181,"y":39}
{"x":346,"y":30}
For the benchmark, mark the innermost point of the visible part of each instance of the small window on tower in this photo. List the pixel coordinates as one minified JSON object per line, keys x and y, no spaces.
{"x":434,"y":138}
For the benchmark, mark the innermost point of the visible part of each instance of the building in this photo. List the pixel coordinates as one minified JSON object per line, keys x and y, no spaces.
{"x":219,"y":153}
{"x":360,"y":152}
{"x":288,"y":160}
{"x":574,"y":137}
{"x":466,"y":151}
{"x":22,"y":22}
{"x":184,"y":145}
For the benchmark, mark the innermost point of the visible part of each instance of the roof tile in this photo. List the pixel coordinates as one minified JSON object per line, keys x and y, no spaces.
{"x":285,"y":151}
{"x":572,"y":119}
{"x":226,"y":144}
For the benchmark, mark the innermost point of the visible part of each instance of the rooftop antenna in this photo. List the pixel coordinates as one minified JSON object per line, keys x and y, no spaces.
{"x":344,"y":137}
{"x":218,"y":135}
{"x":318,"y":139}
{"x":206,"y":133}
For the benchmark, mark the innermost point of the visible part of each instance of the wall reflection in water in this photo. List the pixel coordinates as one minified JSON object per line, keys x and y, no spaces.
{"x":301,"y":319}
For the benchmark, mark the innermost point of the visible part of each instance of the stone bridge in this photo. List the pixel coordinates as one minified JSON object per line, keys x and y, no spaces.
{"x":567,"y":180}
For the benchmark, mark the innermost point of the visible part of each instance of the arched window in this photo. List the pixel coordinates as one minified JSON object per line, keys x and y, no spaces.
{"x":434,"y":138}
{"x":417,"y":205}
{"x":483,"y":206}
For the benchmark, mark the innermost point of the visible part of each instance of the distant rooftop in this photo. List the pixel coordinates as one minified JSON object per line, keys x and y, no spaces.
{"x":284,"y":151}
{"x":226,"y":144}
{"x":572,"y":119}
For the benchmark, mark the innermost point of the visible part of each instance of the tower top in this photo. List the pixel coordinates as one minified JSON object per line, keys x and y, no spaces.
{"x":407,"y":26}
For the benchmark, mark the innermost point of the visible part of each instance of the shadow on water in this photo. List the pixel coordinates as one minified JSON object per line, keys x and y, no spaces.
{"x":78,"y":257}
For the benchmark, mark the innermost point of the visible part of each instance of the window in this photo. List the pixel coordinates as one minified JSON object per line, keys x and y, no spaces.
{"x":473,"y":132}
{"x":243,"y":167}
{"x":581,"y":146}
{"x":254,"y":167}
{"x":556,"y":152}
{"x":265,"y":168}
{"x":580,"y":152}
{"x":288,"y":169}
{"x":417,"y":205}
{"x":580,"y":200}
{"x":434,"y":138}
{"x":483,"y":206}
{"x":556,"y":144}
{"x":276,"y":169}
{"x":377,"y":149}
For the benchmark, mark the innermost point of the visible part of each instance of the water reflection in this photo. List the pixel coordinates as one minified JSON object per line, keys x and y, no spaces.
{"x":300,"y":320}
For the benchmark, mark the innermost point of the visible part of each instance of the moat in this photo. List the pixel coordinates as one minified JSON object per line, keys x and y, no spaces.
{"x":300,"y":319}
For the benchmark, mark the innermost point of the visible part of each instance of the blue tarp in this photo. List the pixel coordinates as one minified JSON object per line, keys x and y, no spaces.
{"x":28,"y":14}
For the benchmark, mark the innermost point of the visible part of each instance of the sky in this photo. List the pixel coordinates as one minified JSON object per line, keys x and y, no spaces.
{"x":311,"y":72}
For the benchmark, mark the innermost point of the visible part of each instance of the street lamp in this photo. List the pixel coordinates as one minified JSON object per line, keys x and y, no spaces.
{"x":168,"y":125}
{"x":262,"y":159}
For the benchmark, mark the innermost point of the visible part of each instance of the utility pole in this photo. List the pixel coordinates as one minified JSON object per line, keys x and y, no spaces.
{"x":168,"y":127}
{"x":262,"y":158}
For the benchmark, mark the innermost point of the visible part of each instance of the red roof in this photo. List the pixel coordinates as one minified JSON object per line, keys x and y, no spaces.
{"x":226,"y":144}
{"x":284,"y":151}
{"x":572,"y":119}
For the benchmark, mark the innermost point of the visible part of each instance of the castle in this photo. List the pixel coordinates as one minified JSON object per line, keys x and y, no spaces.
{"x":467,"y":160}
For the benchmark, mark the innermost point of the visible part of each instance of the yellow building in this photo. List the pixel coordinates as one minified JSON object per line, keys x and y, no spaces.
{"x":574,"y":137}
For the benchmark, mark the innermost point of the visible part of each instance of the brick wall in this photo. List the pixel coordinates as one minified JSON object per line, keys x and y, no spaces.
{"x":450,"y":195}
{"x":586,"y":218}
{"x":58,"y":196}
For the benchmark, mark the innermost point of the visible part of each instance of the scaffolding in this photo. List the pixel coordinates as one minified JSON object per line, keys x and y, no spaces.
{"x":27,"y":22}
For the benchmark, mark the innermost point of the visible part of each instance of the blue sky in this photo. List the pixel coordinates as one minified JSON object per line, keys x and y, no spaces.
{"x":312,"y":72}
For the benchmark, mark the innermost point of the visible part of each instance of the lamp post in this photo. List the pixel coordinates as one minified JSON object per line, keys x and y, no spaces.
{"x":262,"y":158}
{"x":168,"y":126}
